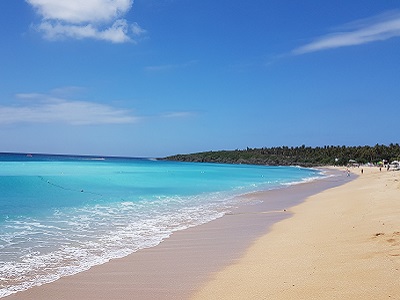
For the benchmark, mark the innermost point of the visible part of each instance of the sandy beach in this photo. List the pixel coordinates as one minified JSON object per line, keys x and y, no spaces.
{"x":343,"y":243}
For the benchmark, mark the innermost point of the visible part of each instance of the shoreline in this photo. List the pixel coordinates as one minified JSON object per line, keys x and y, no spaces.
{"x":343,"y":243}
{"x":179,"y":265}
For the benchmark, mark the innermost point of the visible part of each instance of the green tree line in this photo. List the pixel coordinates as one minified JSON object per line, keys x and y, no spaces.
{"x":301,"y":156}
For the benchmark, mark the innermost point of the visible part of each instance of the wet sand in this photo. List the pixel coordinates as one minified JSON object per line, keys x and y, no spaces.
{"x":343,"y":243}
{"x":180,"y":265}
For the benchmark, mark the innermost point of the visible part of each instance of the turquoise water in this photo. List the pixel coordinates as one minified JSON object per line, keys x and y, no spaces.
{"x":60,"y":215}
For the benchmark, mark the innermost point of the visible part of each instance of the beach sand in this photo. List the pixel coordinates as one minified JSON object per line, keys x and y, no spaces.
{"x":341,"y":232}
{"x":343,"y":243}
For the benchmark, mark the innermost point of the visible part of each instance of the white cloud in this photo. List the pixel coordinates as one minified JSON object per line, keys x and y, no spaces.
{"x":137,"y":30}
{"x":117,"y":33}
{"x":39,"y":108}
{"x":78,"y":11}
{"x":95,"y":19}
{"x":378,"y":28}
{"x":178,"y":114}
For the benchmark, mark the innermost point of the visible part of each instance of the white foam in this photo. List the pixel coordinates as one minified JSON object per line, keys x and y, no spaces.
{"x":78,"y":239}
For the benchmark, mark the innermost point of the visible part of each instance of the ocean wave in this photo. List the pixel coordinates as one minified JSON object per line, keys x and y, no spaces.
{"x":74,"y":240}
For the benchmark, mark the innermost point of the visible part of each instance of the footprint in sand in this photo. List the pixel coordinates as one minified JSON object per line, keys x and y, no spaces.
{"x":394,"y":241}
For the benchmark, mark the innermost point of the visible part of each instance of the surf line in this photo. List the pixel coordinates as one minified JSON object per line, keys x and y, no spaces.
{"x":67,"y":189}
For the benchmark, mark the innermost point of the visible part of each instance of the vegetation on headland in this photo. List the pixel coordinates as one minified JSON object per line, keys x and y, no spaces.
{"x":301,"y":156}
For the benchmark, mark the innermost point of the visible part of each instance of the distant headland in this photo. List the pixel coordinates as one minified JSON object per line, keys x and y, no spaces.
{"x":299,"y":156}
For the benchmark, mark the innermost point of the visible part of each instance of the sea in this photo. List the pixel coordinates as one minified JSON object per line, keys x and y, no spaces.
{"x":61,"y":215}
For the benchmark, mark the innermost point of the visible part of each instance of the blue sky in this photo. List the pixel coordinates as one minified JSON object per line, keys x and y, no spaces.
{"x":160,"y":77}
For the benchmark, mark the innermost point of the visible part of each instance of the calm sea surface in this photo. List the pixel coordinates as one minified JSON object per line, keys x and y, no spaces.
{"x":60,"y":215}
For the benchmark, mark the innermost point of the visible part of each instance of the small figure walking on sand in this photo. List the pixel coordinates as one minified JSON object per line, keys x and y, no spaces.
{"x":362,"y":171}
{"x":348,"y":173}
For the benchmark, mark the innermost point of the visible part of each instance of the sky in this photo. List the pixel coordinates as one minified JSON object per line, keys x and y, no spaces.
{"x":151,"y":78}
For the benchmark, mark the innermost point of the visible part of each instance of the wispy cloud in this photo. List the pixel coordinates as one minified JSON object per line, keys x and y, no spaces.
{"x":41,"y":108}
{"x":178,"y":114}
{"x":167,"y":67}
{"x":95,"y":19}
{"x":377,"y":28}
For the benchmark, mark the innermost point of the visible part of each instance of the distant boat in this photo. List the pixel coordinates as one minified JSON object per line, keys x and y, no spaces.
{"x":29,"y":155}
